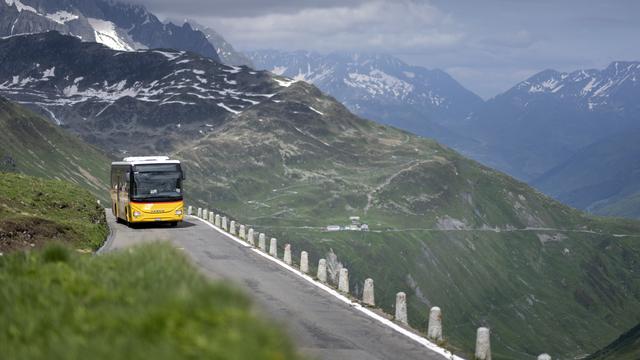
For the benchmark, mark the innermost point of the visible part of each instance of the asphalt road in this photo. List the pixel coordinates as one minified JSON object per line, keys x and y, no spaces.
{"x":323,"y":326}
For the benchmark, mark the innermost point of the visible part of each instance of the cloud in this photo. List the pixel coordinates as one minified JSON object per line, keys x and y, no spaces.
{"x":371,"y":26}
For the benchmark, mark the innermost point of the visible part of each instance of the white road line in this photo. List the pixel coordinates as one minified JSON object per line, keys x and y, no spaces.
{"x":386,"y":322}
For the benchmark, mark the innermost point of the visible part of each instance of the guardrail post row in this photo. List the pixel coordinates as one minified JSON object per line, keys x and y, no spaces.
{"x":287,"y":254}
{"x":304,"y":262}
{"x":190,"y":210}
{"x":250,"y":239}
{"x":217,"y":223}
{"x":483,"y":344}
{"x":262,"y":242}
{"x":232,"y":227}
{"x":401,"y":308}
{"x":273,"y":247}
{"x":322,"y":270}
{"x":200,"y":213}
{"x":205,"y":214}
{"x":434,"y":329}
{"x":241,"y":233}
{"x":544,"y":357}
{"x":368,"y":296}
{"x":343,"y":280}
{"x":211,"y":216}
{"x":224,"y":224}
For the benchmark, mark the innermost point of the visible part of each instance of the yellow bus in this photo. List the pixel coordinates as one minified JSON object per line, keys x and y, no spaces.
{"x":147,"y":189}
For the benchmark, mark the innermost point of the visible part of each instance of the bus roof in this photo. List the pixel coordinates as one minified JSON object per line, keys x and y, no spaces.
{"x":139,"y":160}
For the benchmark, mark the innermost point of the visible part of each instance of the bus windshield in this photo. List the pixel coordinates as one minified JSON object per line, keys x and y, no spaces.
{"x":157,"y":182}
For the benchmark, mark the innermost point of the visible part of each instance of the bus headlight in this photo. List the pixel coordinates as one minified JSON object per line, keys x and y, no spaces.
{"x":179,"y":212}
{"x":136,"y":213}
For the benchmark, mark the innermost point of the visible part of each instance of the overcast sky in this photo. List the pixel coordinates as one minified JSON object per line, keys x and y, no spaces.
{"x":487,"y":45}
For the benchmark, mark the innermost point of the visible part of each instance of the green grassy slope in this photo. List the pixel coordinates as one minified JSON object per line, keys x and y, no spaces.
{"x":486,"y":248}
{"x":626,"y":347}
{"x":35,"y":211}
{"x":30,"y":144}
{"x":146,"y":303}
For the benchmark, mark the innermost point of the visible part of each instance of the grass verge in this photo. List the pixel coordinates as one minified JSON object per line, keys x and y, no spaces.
{"x":144,"y":303}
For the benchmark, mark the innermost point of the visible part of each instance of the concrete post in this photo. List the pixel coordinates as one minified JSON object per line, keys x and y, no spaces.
{"x":200,"y":213}
{"x":273,"y":247}
{"x":190,"y":210}
{"x":483,"y":344}
{"x":205,"y":214}
{"x":322,"y":270}
{"x":224,"y":224}
{"x":304,"y":262}
{"x":217,"y":223}
{"x":250,"y":239}
{"x":287,"y":254}
{"x":401,"y":308}
{"x":242,"y":232}
{"x":262,"y":242}
{"x":343,"y":281}
{"x":544,"y":357}
{"x":232,"y":227}
{"x":367,"y":293}
{"x":434,"y":329}
{"x":211,"y":216}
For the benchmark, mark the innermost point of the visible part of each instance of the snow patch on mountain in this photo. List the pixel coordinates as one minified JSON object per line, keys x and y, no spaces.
{"x":106,"y":34}
{"x":62,"y":17}
{"x":20,"y":6}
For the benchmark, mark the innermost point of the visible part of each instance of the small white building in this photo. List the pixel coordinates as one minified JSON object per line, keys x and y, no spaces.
{"x":333,"y":228}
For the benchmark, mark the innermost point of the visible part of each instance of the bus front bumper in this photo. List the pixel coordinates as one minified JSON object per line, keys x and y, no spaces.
{"x":150,"y":212}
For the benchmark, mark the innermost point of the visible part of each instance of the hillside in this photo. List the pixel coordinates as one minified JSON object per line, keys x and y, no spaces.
{"x":290,"y":160}
{"x":626,"y":347}
{"x":31,"y":145}
{"x":35,"y":212}
{"x":603,"y":178}
{"x":444,"y":229}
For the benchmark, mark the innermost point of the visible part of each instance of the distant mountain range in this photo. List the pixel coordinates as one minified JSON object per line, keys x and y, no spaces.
{"x":382,"y":88}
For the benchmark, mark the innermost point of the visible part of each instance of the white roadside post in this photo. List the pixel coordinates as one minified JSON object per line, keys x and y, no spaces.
{"x":401,"y":308}
{"x":322,"y":270}
{"x":205,"y":214}
{"x":343,"y":280}
{"x":273,"y":247}
{"x":190,"y":210}
{"x":211,"y":217}
{"x":544,"y":357}
{"x":262,"y":242}
{"x":368,"y":296}
{"x":232,"y":227}
{"x":483,"y":344}
{"x":434,"y":329}
{"x":242,"y":232}
{"x":287,"y":254}
{"x":304,"y":262}
{"x":250,"y":239}
{"x":200,"y":213}
{"x":224,"y":223}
